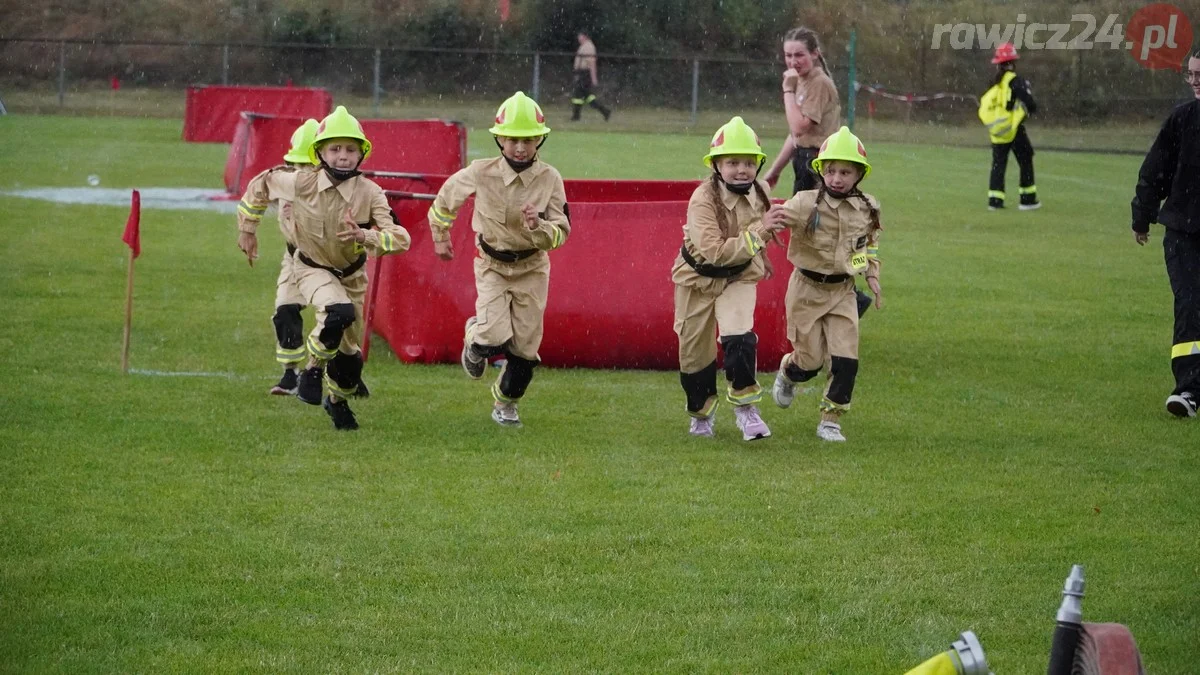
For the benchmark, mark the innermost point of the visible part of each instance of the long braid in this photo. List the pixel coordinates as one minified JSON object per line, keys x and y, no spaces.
{"x":871,"y":208}
{"x":813,"y":217}
{"x":722,"y":219}
{"x":766,"y":206}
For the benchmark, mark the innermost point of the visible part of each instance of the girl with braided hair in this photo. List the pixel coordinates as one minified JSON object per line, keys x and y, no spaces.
{"x":835,"y":237}
{"x":716,"y":275}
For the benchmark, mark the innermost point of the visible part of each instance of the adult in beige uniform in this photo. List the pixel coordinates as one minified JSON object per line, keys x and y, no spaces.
{"x":520,"y":214}
{"x":716,"y":276}
{"x":835,"y":234}
{"x":333,"y":213}
{"x":584,"y":69}
{"x":810,"y":101}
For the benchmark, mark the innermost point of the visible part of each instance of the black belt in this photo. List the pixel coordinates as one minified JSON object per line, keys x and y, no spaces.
{"x":824,"y":278}
{"x":291,"y":249}
{"x":710,"y":270}
{"x":505,"y":256}
{"x":341,"y":274}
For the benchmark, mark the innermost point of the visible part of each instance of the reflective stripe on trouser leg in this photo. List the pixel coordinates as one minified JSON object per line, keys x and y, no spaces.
{"x":740,"y":368}
{"x":700,"y":388}
{"x":1182,"y":254}
{"x":842,"y":373}
{"x":343,"y":374}
{"x":514,"y":378}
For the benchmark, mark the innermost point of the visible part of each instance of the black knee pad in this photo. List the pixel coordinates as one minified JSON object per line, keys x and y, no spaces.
{"x":345,"y":369}
{"x":516,"y":377}
{"x":740,"y":359}
{"x":289,"y":327}
{"x":699,"y":387}
{"x":486,"y":351}
{"x":864,"y":302}
{"x":843,"y":371}
{"x":338,"y":318}
{"x":797,"y":374}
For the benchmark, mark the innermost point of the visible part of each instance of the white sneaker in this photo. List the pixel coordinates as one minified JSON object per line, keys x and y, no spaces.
{"x":750,"y":422}
{"x":505,"y":414}
{"x":472,"y":366}
{"x":1182,"y":405}
{"x":830,"y":431}
{"x":702,"y":426}
{"x":784,"y":390}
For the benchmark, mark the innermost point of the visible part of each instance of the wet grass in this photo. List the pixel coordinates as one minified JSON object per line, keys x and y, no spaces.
{"x":1008,"y":423}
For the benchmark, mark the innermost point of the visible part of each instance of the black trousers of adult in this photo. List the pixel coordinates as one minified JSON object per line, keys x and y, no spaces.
{"x":1023,"y":150}
{"x":1182,"y":253}
{"x":582,"y":95}
{"x":806,"y":178}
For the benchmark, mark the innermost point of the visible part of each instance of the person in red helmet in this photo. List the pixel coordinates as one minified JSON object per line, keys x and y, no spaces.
{"x":1003,"y":109}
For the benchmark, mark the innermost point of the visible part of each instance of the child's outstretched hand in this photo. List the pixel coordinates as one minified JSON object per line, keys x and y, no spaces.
{"x":775,"y":219}
{"x":529,"y":214}
{"x":248,"y":243}
{"x":350,"y":230}
{"x":873,"y":283}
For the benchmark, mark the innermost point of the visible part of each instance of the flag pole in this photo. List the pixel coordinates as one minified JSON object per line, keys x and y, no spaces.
{"x":128,"y":315}
{"x":133,"y":238}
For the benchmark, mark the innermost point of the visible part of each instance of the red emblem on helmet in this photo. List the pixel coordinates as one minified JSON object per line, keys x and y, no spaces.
{"x":500,"y":117}
{"x":861,"y":150}
{"x":321,"y":127}
{"x":538,"y":114}
{"x":719,"y":140}
{"x":824,"y":144}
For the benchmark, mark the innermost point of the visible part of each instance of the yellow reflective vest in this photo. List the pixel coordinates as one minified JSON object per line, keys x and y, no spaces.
{"x":994,"y":112}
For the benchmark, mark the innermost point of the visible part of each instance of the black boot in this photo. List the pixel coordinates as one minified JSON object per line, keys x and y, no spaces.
{"x":287,"y":384}
{"x":340,"y":413}
{"x":362,"y":391}
{"x":309,"y":389}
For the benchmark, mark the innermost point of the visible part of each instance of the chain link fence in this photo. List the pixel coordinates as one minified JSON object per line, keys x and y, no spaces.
{"x":928,"y":86}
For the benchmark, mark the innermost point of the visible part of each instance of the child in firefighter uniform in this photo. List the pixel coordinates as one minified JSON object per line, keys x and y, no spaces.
{"x":333,"y":211}
{"x":289,"y":326}
{"x":834,"y":236}
{"x":716,"y":276}
{"x":520,"y":214}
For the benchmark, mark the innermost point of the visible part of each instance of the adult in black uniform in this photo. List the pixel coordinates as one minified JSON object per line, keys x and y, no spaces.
{"x":584,"y":68}
{"x":1005,"y":60}
{"x":1171,"y":172}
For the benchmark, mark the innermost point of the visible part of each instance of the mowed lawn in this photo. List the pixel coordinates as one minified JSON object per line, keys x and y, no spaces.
{"x":1008,"y":422}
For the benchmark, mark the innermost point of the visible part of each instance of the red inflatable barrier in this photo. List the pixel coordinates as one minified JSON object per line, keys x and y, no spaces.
{"x":419,"y":146}
{"x":611,"y":301}
{"x":212,"y":113}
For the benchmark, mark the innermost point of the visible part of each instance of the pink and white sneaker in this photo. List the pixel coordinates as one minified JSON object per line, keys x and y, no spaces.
{"x":752,"y":425}
{"x":702,"y":426}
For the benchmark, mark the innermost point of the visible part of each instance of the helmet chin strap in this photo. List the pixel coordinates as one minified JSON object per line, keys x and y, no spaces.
{"x":740,"y":188}
{"x":341,"y":174}
{"x":514,"y":164}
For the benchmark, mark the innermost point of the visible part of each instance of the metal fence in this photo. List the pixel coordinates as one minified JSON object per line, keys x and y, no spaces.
{"x":1074,"y":88}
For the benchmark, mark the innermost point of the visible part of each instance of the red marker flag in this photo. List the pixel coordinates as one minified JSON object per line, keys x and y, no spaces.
{"x":132,"y":235}
{"x":504,"y":8}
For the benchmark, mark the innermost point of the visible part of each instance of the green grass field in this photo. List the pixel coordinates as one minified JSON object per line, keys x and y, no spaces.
{"x":1008,"y":422}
